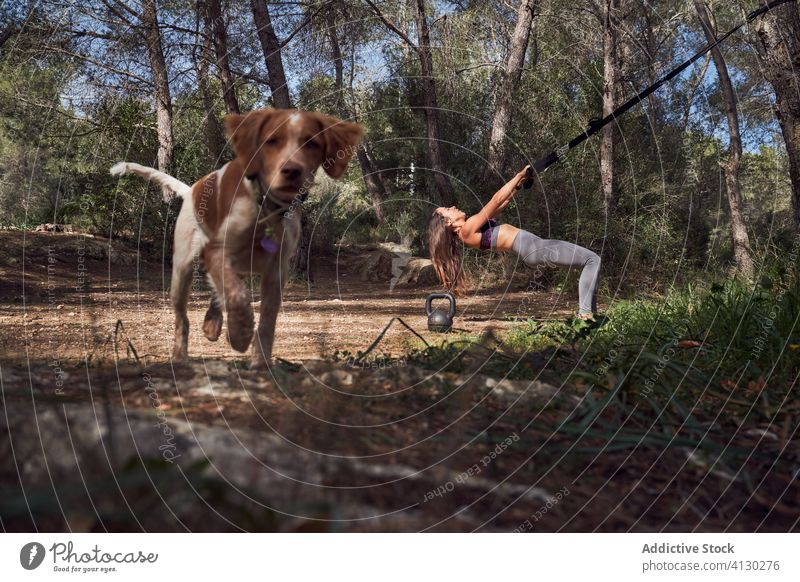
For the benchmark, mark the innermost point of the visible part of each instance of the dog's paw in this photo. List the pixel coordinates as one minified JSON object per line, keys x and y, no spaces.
{"x":239,"y":339}
{"x":212,"y":325}
{"x":240,"y":326}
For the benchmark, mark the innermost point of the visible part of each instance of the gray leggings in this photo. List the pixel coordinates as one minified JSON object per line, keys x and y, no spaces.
{"x":539,"y":251}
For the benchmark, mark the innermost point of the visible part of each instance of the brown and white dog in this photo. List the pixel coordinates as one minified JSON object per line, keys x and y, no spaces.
{"x":243,"y":218}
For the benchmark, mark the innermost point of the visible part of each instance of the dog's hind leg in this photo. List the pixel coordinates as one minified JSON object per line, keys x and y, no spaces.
{"x":212,"y":324}
{"x":188,"y":241}
{"x":179,"y":295}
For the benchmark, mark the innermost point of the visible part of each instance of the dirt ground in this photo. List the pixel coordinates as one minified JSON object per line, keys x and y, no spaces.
{"x":83,"y":321}
{"x":51,"y":302}
{"x":100,"y":432}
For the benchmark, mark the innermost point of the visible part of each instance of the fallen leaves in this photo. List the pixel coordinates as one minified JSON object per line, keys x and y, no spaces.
{"x":687,"y":344}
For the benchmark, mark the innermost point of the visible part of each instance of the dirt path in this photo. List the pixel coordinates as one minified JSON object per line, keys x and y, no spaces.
{"x":95,"y":439}
{"x":71,"y":307}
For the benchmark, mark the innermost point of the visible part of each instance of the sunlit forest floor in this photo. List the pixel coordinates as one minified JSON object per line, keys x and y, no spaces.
{"x":337,"y":312}
{"x":677,"y":414}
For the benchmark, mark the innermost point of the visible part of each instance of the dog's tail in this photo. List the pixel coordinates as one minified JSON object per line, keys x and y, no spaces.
{"x":167,"y":182}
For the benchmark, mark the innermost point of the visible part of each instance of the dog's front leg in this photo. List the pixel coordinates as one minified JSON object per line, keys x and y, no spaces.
{"x":271,"y":291}
{"x":234,"y":295}
{"x":273,"y":279}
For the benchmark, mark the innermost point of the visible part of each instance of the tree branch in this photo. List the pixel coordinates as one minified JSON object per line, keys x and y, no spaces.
{"x":478,"y":66}
{"x":251,"y":77}
{"x":694,"y":85}
{"x":303,"y":24}
{"x":119,"y":15}
{"x":99,"y":64}
{"x":91,"y":34}
{"x":127,"y":8}
{"x":392,"y":27}
{"x":49,"y":107}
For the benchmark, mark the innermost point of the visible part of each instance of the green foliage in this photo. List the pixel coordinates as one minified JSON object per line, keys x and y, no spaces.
{"x":338,"y":213}
{"x":730,"y":331}
{"x":66,"y":119}
{"x":655,"y":374}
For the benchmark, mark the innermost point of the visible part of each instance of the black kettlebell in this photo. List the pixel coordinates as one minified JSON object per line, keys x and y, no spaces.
{"x":439,"y":320}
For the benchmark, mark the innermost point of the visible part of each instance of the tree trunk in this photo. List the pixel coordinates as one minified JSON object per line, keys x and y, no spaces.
{"x":609,"y":104}
{"x":338,"y":62}
{"x":272,"y":55}
{"x":220,"y":38}
{"x":161,"y":83}
{"x":779,"y":35}
{"x":215,"y":136}
{"x":445,"y":194}
{"x":372,"y":180}
{"x":384,"y":190}
{"x":741,"y":242}
{"x":652,"y":73}
{"x":271,"y":47}
{"x":509,"y":79}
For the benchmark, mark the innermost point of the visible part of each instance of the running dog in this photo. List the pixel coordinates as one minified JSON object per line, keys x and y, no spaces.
{"x":243,"y":218}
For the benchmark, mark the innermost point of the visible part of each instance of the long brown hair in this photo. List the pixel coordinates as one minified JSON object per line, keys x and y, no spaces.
{"x":447,"y":255}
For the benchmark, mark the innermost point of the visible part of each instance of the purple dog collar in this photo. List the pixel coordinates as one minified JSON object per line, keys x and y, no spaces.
{"x":268,"y":244}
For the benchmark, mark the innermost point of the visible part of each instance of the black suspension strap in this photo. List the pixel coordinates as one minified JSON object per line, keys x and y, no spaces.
{"x":380,"y":337}
{"x":596,"y":125}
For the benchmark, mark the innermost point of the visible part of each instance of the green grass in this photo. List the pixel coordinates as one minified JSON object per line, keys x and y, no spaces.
{"x":698,"y":372}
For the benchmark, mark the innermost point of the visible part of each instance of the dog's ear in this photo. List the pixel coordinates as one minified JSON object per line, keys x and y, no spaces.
{"x":341,"y":140}
{"x":244,"y":131}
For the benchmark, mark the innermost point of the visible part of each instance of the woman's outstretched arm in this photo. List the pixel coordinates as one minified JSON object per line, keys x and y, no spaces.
{"x":495,"y":206}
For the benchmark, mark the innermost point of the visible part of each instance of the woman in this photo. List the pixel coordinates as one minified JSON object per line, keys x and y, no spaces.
{"x":449,"y":227}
